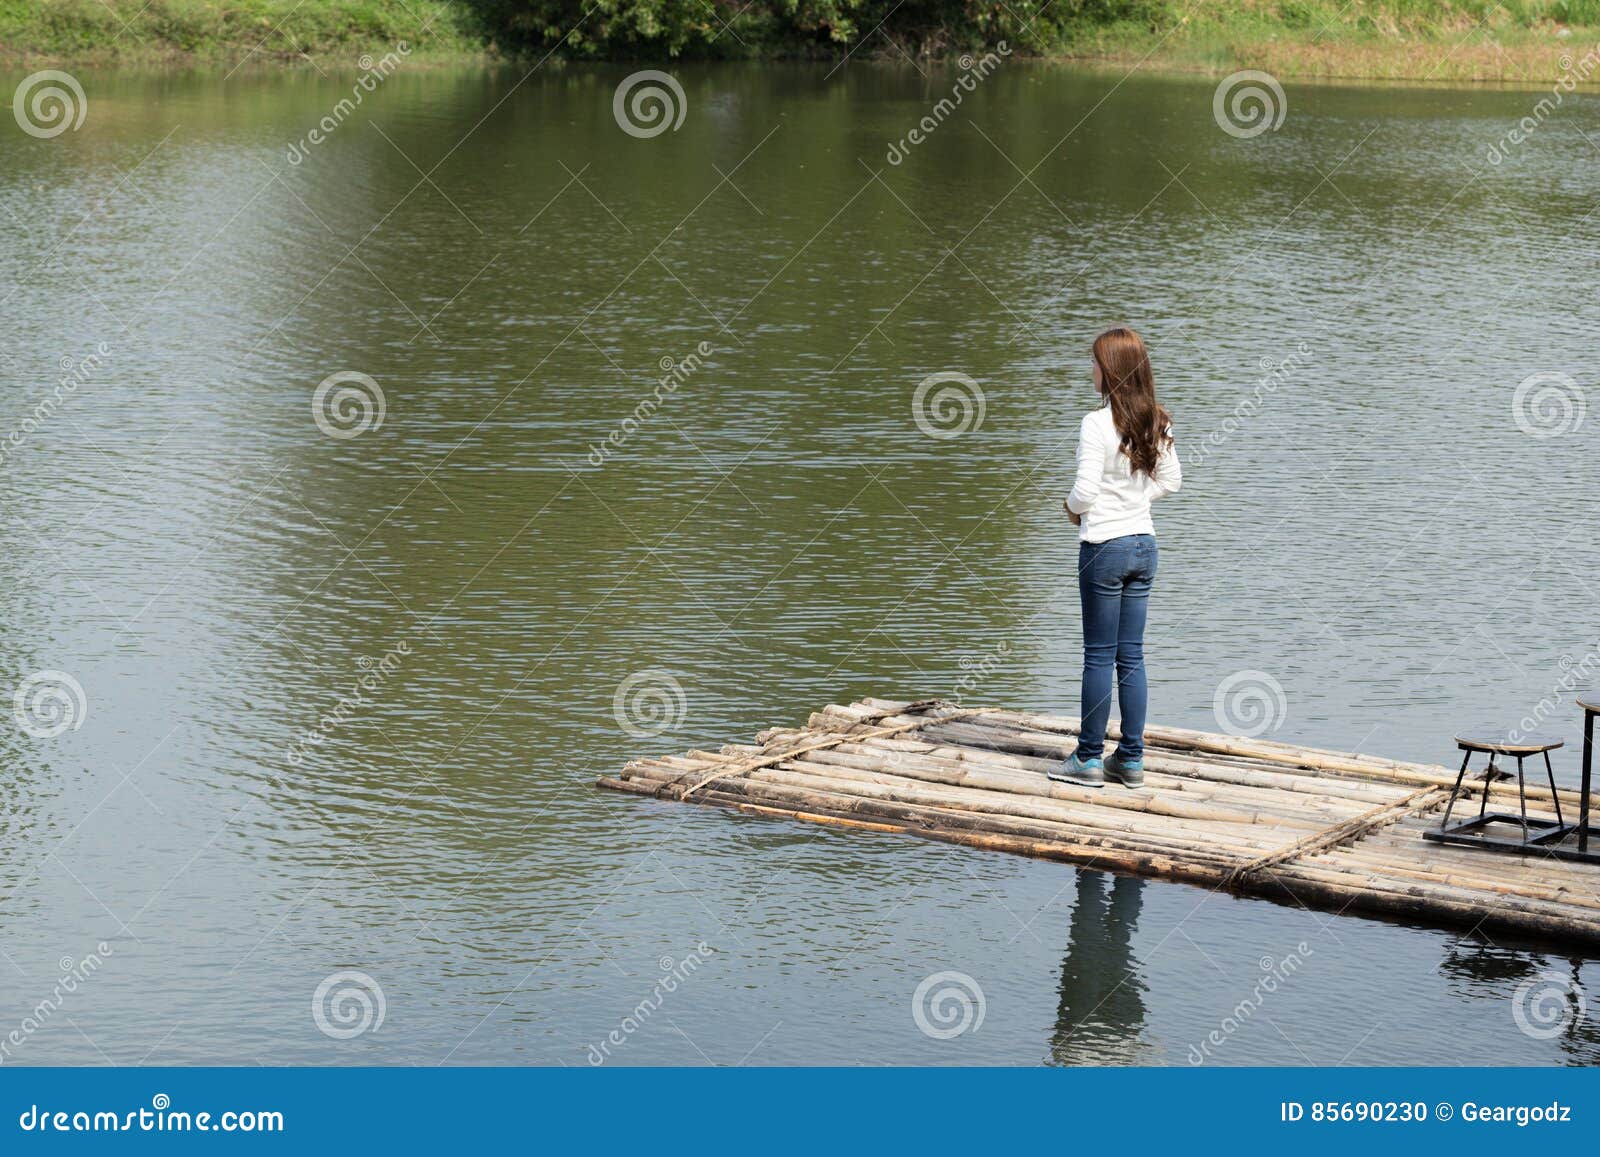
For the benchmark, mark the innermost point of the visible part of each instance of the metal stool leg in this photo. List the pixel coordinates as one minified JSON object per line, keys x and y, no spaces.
{"x":1455,"y":791}
{"x":1522,"y":794}
{"x":1588,"y":764}
{"x":1554,"y":794}
{"x":1488,"y":781}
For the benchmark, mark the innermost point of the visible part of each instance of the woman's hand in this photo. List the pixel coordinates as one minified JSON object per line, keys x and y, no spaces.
{"x":1076,"y":519}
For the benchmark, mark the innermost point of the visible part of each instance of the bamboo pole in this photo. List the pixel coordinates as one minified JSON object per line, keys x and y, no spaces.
{"x":960,"y":773}
{"x":821,"y":799}
{"x":1169,"y":793}
{"x":1421,"y":800}
{"x":1341,"y":764}
{"x":1338,"y":891}
{"x":1352,"y":860}
{"x":1467,"y":912}
{"x":1369,"y":793}
{"x":767,"y":757}
{"x":1325,"y":828}
{"x":1028,"y":807}
{"x":1163,"y":795}
{"x":975,"y":732}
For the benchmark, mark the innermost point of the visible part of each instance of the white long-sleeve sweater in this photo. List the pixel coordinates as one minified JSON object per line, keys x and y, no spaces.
{"x":1109,"y":496}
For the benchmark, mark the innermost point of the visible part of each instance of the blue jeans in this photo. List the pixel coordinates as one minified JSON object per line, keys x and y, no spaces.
{"x":1114,"y":580}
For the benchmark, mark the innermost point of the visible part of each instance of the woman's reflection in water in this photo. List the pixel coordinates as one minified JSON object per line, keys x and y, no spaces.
{"x":1101,"y":1015}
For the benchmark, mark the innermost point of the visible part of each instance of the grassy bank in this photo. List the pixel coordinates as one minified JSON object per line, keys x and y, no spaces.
{"x":208,"y":31}
{"x":1522,"y":40}
{"x":1417,"y":41}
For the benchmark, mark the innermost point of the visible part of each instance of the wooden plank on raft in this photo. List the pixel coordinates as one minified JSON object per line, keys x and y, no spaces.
{"x":1337,"y":830}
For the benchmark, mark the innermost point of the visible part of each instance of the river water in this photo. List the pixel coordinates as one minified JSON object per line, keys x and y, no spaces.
{"x":344,"y":698}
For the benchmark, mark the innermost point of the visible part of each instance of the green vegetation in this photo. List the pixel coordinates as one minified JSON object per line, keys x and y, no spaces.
{"x":1443,"y":39}
{"x":231,"y":30}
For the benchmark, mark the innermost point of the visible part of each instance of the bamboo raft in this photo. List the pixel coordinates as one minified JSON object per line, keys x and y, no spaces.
{"x":1336,"y":831}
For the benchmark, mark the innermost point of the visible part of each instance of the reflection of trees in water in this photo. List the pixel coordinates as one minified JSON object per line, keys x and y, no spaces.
{"x":1101,"y":1013}
{"x":1541,"y":990}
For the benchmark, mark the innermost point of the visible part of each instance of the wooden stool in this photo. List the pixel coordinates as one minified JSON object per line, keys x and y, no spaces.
{"x":1535,"y":833}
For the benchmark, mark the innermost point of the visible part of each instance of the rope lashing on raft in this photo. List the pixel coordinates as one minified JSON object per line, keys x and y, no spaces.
{"x":1220,"y":809}
{"x":755,"y":763}
{"x":1422,"y":800}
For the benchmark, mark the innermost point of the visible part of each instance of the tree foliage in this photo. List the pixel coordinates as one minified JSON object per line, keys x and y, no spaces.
{"x":733,"y":28}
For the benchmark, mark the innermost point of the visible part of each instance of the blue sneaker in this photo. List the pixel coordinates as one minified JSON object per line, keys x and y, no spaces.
{"x":1083,"y":772}
{"x":1127,"y":772}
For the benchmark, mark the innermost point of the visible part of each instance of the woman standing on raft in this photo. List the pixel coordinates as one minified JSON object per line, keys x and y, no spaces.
{"x":1126,"y":460}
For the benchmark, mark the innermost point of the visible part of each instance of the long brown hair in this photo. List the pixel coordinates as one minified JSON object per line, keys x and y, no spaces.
{"x":1130,"y":390}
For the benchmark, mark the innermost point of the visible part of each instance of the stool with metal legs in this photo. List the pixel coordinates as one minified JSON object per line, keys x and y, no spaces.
{"x":1537,"y":834}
